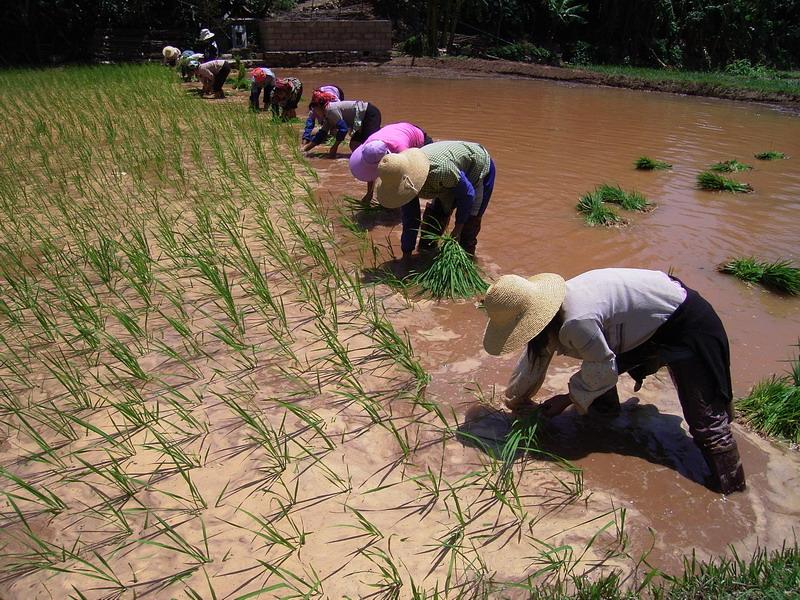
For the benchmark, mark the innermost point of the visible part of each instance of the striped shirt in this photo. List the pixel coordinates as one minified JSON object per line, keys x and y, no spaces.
{"x":448,"y":160}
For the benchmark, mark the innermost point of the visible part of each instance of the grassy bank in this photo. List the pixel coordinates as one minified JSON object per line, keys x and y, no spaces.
{"x":769,"y":82}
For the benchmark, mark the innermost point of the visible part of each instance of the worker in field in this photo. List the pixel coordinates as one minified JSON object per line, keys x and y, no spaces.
{"x":312,"y":120}
{"x":392,"y":138}
{"x":286,"y":96}
{"x":261,"y":80}
{"x":619,"y":321}
{"x":171,"y":55}
{"x":208,"y":44}
{"x":359,"y":118}
{"x":457,"y":176}
{"x":212,"y":74}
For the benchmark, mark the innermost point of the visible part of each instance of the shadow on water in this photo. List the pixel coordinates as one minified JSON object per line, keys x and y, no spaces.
{"x":640,"y":431}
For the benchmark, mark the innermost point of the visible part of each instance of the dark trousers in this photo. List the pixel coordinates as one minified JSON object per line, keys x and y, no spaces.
{"x":369,"y":125}
{"x":435,"y":219}
{"x":220,"y":78}
{"x":693,"y":345}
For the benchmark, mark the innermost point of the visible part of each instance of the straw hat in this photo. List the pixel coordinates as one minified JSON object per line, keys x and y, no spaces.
{"x":401,"y":177}
{"x":170,"y":52}
{"x":364,"y":160}
{"x":519,"y":309}
{"x":205,"y":34}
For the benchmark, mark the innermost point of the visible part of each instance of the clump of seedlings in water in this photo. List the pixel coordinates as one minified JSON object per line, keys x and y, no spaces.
{"x":627,"y":200}
{"x":452,"y":274}
{"x":645,"y":163}
{"x":730,"y":166}
{"x":770,"y":155}
{"x":773,"y":405}
{"x":780,"y":275}
{"x":715,"y":182}
{"x":595,"y":212}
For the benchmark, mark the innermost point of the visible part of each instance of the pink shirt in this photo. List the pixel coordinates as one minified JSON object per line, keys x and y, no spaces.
{"x":399,"y":137}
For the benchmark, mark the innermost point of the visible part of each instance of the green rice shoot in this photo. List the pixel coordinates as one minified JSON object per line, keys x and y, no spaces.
{"x":452,"y":274}
{"x":708,"y":180}
{"x":770,"y":155}
{"x":773,"y":405}
{"x":730,"y":166}
{"x":627,"y":200}
{"x":780,"y":275}
{"x":645,"y":163}
{"x":595,"y":212}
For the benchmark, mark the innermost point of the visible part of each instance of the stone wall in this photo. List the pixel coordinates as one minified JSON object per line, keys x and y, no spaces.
{"x":371,"y":39}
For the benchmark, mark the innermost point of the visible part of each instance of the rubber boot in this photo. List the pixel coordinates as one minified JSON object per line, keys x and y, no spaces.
{"x":607,"y":404}
{"x":726,"y":470}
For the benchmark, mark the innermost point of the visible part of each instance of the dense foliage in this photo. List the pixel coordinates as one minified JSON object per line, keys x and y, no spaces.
{"x":680,"y":33}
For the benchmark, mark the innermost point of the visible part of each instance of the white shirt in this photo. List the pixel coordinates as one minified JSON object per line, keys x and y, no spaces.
{"x":605,"y":312}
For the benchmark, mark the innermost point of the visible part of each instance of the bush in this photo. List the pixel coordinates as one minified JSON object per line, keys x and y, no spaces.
{"x":743,"y":68}
{"x":521,"y":52}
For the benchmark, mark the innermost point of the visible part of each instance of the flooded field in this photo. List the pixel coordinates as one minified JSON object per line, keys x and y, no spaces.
{"x":552,"y":143}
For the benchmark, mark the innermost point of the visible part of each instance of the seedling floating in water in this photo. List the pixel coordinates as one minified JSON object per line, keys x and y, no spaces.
{"x":712,"y":181}
{"x":770,"y":155}
{"x":452,"y":273}
{"x":645,"y":163}
{"x":627,"y":200}
{"x":595,"y":212}
{"x":779,"y":275}
{"x":730,"y":166}
{"x":773,"y":406}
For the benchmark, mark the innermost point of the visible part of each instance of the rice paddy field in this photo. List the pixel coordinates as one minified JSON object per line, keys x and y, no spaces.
{"x":202,"y":397}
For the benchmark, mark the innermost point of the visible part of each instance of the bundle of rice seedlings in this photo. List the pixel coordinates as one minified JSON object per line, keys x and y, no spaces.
{"x":730,"y":166}
{"x":780,"y":275}
{"x":627,"y":200}
{"x":595,"y":212}
{"x":452,"y":274}
{"x":773,"y":405}
{"x":770,"y":155}
{"x":645,"y":163}
{"x":712,"y":181}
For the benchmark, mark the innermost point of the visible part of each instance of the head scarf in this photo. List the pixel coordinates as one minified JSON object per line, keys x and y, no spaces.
{"x":322,"y":99}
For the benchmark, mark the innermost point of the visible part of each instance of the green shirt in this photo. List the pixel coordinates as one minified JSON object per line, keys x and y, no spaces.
{"x":447,"y":160}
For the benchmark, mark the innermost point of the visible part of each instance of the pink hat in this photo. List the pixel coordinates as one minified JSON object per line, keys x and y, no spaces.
{"x":364,"y":160}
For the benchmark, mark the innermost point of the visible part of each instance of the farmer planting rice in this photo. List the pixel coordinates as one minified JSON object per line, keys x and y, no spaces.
{"x":208,"y":44}
{"x":171,"y":55}
{"x":393,"y":138}
{"x":261,"y":80}
{"x":457,"y":175}
{"x":212,"y":74}
{"x":285,"y":97}
{"x":312,"y":120}
{"x":617,"y":321}
{"x":360,"y":118}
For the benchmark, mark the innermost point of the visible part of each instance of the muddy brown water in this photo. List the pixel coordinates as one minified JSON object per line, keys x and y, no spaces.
{"x":551,"y":143}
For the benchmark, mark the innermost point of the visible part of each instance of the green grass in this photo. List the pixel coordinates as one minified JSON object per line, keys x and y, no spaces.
{"x":715,"y":182}
{"x":770,"y":155}
{"x":452,"y":274}
{"x":596,"y":213}
{"x":773,"y":406}
{"x":730,"y":166}
{"x":784,"y":83}
{"x":645,"y":163}
{"x":779,"y":275}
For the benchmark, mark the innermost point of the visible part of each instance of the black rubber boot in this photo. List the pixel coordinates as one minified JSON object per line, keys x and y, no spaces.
{"x":726,"y":470}
{"x":607,"y":404}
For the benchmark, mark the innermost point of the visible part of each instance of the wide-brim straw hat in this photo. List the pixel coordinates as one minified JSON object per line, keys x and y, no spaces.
{"x":401,"y":177}
{"x":170,"y":52}
{"x":205,"y":34}
{"x":519,"y":309}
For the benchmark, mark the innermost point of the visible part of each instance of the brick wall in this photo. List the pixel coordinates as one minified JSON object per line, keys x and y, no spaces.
{"x":366,"y":37}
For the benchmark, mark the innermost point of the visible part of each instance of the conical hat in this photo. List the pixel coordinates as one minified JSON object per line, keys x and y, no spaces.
{"x":401,"y":177}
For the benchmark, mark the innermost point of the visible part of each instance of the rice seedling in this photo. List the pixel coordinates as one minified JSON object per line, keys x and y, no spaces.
{"x":770,"y":155}
{"x":645,"y":163}
{"x":595,"y":212}
{"x":730,"y":166}
{"x":773,"y":405}
{"x":713,"y":181}
{"x":780,"y":275}
{"x":627,"y":200}
{"x":452,"y":274}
